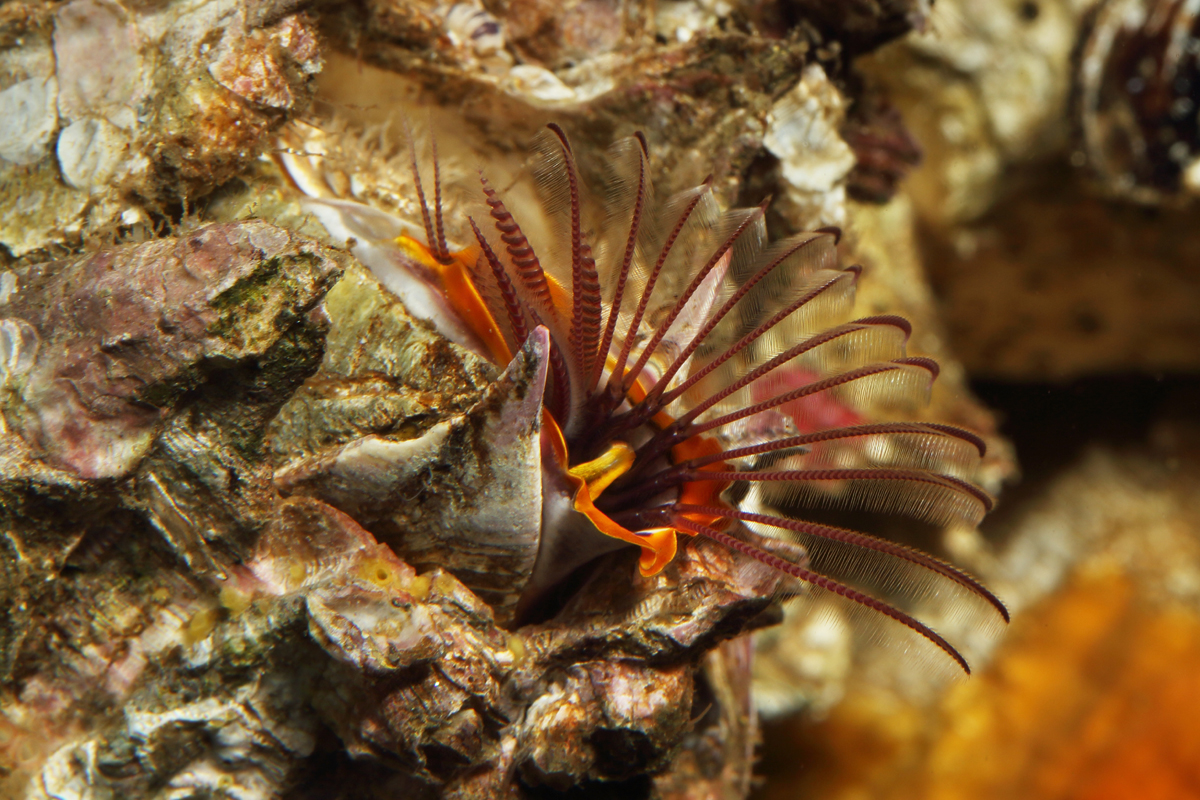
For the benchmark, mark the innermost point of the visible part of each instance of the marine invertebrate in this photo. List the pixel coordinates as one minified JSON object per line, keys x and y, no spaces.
{"x":669,"y":372}
{"x":478,"y":33}
{"x":1137,"y":80}
{"x":884,"y":150}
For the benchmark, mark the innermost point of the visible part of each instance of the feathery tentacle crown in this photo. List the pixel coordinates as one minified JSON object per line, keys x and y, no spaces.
{"x":691,"y":363}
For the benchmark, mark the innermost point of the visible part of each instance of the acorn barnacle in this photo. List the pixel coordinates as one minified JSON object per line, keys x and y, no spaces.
{"x":1138,"y":85}
{"x":666,"y":373}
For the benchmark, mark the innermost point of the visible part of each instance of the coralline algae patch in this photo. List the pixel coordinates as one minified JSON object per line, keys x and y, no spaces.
{"x":1094,"y":696}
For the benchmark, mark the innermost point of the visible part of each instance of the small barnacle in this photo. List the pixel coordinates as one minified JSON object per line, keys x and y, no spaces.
{"x":92,"y":547}
{"x":477,"y":32}
{"x":18,"y":348}
{"x":18,"y":352}
{"x":1137,"y":95}
{"x":667,"y":373}
{"x":884,"y":150}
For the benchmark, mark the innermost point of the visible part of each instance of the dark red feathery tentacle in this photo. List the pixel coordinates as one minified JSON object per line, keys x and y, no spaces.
{"x":683,"y":428}
{"x":641,"y":138}
{"x":787,"y":397}
{"x":677,"y":309}
{"x":585,"y":323}
{"x":619,"y":382}
{"x":856,"y":539}
{"x":832,"y":230}
{"x":863,"y":474}
{"x":640,"y":491}
{"x":614,"y":312}
{"x":443,"y":251}
{"x":512,"y":303}
{"x":756,"y":334}
{"x":559,"y":394}
{"x":761,"y":370}
{"x":652,"y":397}
{"x":431,"y":236}
{"x":585,"y":281}
{"x":961,"y":433}
{"x":825,"y":337}
{"x":891,"y":320}
{"x":529,"y":268}
{"x":808,"y":576}
{"x":832,"y":434}
{"x":928,"y":364}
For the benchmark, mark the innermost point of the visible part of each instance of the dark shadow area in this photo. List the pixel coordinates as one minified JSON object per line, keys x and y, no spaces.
{"x":634,"y":789}
{"x":1051,"y":425}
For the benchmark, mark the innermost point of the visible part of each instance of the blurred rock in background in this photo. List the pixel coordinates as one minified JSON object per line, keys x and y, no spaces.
{"x":1056,"y":220}
{"x":1055,"y":200}
{"x":1091,"y":695}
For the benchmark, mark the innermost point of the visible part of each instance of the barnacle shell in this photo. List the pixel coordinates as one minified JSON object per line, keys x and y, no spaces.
{"x":474,"y":29}
{"x":719,"y":395}
{"x":467,"y":492}
{"x":1139,"y":82}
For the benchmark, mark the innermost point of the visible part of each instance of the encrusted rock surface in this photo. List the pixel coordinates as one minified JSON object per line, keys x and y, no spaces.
{"x":106,"y":346}
{"x":135,"y":394}
{"x":173,"y":621}
{"x":111,"y":113}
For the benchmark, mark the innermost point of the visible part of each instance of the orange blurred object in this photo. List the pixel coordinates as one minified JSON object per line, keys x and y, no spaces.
{"x":1095,"y":695}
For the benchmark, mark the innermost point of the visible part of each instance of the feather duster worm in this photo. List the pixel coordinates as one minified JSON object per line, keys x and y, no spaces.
{"x":690,"y":378}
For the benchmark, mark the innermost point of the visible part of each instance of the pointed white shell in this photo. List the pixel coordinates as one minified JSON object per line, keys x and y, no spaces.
{"x":485,"y":524}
